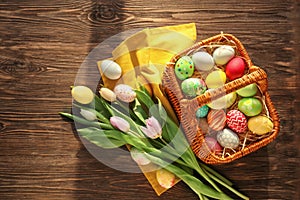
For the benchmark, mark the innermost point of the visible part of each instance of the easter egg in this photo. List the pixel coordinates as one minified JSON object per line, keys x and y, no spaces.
{"x":203,"y":125}
{"x":107,"y":94}
{"x":260,"y":125}
{"x":193,"y":87}
{"x":235,"y":68}
{"x":139,"y":157}
{"x":213,"y":144}
{"x":248,"y":91}
{"x":125,"y":93}
{"x":111,"y":69}
{"x":228,"y":139}
{"x":250,"y":106}
{"x":223,"y":54}
{"x":236,"y":121}
{"x":216,"y":119}
{"x":223,"y":102}
{"x":203,"y":61}
{"x":215,"y":79}
{"x":202,"y":111}
{"x":184,"y":68}
{"x":165,"y":178}
{"x":82,"y":94}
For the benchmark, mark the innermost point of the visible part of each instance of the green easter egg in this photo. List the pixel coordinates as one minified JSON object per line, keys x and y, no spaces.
{"x":202,"y":111}
{"x":248,"y":91}
{"x":250,"y":106}
{"x":193,"y":87}
{"x":184,"y":68}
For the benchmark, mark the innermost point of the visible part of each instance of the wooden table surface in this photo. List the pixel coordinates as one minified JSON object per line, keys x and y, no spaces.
{"x":43,"y":44}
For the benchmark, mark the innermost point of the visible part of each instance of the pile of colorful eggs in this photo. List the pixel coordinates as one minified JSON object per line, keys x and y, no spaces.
{"x":226,"y":120}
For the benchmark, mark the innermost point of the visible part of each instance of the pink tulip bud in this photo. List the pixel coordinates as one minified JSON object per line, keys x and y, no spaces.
{"x":120,"y":123}
{"x":153,"y":128}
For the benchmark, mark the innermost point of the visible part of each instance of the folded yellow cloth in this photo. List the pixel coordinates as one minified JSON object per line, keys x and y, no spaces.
{"x":143,"y":57}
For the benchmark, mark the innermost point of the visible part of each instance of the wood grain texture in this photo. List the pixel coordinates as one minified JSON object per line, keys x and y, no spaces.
{"x":42,"y":45}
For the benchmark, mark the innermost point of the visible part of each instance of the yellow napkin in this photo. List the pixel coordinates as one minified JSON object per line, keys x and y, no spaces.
{"x":142,"y":58}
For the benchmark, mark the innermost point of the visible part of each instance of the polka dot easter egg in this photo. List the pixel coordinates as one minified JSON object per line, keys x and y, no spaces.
{"x":202,"y":111}
{"x":228,"y":139}
{"x":125,"y":93}
{"x":184,"y":68}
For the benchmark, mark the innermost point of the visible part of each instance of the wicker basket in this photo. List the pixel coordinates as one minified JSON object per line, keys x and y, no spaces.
{"x":185,"y":107}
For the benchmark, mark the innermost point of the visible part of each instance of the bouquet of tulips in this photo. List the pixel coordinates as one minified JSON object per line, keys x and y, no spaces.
{"x":142,"y":123}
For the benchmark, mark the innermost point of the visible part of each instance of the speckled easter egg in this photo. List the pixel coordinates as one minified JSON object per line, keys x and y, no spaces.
{"x":228,"y":139}
{"x":250,"y":106}
{"x":216,"y":119}
{"x":215,"y":79}
{"x":203,"y":61}
{"x":193,"y":87}
{"x":111,"y":69}
{"x":260,"y":125}
{"x":235,"y":68}
{"x":223,"y":54}
{"x":165,"y":178}
{"x":213,"y":144}
{"x":202,"y":111}
{"x":184,"y":68}
{"x":248,"y":91}
{"x":236,"y":121}
{"x":125,"y":93}
{"x":223,"y":102}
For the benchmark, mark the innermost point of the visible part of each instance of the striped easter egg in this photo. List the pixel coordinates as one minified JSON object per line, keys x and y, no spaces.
{"x":216,"y":119}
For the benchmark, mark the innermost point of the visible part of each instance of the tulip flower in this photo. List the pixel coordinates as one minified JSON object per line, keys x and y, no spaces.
{"x":120,"y":123}
{"x":88,"y":115}
{"x":153,"y":128}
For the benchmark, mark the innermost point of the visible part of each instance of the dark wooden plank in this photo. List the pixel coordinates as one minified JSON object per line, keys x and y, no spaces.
{"x":43,"y":45}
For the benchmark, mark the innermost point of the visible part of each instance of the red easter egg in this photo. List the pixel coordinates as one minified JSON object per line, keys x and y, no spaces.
{"x":236,"y":121}
{"x":235,"y":68}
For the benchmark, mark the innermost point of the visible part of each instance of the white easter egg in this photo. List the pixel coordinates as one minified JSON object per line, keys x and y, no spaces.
{"x":203,"y":61}
{"x":223,"y":54}
{"x":111,"y":69}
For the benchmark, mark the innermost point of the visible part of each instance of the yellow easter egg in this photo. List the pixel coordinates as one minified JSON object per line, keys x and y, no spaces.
{"x":165,"y":178}
{"x":260,"y":125}
{"x":82,"y":94}
{"x":223,"y":102}
{"x":215,"y":79}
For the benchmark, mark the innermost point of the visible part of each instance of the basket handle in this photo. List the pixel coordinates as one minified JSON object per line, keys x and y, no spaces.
{"x":256,"y":75}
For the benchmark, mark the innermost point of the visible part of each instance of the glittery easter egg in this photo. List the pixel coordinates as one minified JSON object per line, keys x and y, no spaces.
{"x":250,"y":106}
{"x":223,"y":102}
{"x":184,"y":68}
{"x":213,"y":144}
{"x":247,"y":91}
{"x":216,"y":119}
{"x":228,"y":139}
{"x":203,"y":61}
{"x":124,"y":93}
{"x":235,"y":68}
{"x":215,"y":79}
{"x":202,"y":111}
{"x":260,"y":125}
{"x":236,"y":121}
{"x":223,"y":54}
{"x":193,"y":87}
